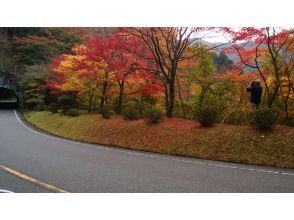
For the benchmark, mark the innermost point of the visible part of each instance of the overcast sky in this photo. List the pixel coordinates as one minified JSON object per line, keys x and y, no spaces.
{"x":216,"y":39}
{"x":213,"y":37}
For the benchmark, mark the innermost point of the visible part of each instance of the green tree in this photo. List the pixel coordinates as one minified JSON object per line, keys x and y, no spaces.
{"x":202,"y":71}
{"x":39,"y":45}
{"x":33,"y":96}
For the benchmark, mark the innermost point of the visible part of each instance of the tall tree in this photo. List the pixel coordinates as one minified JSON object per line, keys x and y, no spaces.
{"x":77,"y":74}
{"x":167,"y":46}
{"x":114,"y":50}
{"x":101,"y":62}
{"x":270,"y":44}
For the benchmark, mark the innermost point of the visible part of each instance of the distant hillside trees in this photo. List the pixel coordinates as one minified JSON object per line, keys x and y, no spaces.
{"x":222,"y":62}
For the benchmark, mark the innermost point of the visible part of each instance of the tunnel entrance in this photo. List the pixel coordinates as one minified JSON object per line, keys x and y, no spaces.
{"x":8,"y":99}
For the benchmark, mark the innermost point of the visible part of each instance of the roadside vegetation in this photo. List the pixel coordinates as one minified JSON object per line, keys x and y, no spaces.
{"x":237,"y":143}
{"x":161,"y":89}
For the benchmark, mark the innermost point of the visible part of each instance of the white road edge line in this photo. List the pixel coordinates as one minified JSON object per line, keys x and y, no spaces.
{"x":148,"y":155}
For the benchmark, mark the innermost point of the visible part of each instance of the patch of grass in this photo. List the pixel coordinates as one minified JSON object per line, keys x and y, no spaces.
{"x":177,"y":137}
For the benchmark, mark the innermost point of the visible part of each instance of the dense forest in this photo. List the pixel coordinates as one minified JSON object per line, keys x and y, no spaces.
{"x":168,"y":71}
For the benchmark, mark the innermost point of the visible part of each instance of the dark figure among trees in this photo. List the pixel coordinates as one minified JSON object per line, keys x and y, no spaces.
{"x":256,"y":91}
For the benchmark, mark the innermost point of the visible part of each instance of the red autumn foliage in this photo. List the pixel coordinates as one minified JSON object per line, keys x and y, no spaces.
{"x":125,"y":61}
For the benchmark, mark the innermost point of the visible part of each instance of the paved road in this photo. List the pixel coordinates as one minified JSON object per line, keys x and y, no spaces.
{"x":78,"y":167}
{"x":12,"y":183}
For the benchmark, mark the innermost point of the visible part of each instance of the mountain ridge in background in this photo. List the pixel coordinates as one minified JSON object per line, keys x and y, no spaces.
{"x":232,"y":56}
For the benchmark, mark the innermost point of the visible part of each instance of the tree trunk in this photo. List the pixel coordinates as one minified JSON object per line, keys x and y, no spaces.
{"x":104,"y":90}
{"x":91,"y":96}
{"x":171,"y":99}
{"x":203,"y":93}
{"x":273,"y":95}
{"x":285,"y":101}
{"x":120,"y":97}
{"x":166,"y":98}
{"x":286,"y":109}
{"x":181,"y":99}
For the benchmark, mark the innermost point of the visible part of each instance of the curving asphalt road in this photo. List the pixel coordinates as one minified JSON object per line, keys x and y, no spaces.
{"x":79,"y":167}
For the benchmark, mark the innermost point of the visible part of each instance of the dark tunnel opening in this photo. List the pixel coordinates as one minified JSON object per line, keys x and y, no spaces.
{"x":8,"y":99}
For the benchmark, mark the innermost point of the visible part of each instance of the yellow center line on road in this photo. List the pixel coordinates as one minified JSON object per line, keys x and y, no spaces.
{"x":33,"y":180}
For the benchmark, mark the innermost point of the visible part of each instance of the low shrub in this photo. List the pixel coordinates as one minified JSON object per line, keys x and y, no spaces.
{"x":53,"y":107}
{"x":73,"y":112}
{"x":36,"y":104}
{"x":106,"y":112}
{"x":263,"y":118}
{"x":130,"y":113}
{"x":207,"y":115}
{"x":40,"y":107}
{"x":82,"y":106}
{"x":66,"y":102}
{"x":153,"y":115}
{"x":288,"y":121}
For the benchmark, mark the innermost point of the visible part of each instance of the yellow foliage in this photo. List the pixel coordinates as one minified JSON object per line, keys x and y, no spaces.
{"x":72,"y":84}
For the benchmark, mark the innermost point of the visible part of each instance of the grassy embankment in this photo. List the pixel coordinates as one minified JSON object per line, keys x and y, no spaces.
{"x":176,"y":136}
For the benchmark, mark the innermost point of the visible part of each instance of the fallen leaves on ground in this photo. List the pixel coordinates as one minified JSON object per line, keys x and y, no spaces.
{"x":237,"y":143}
